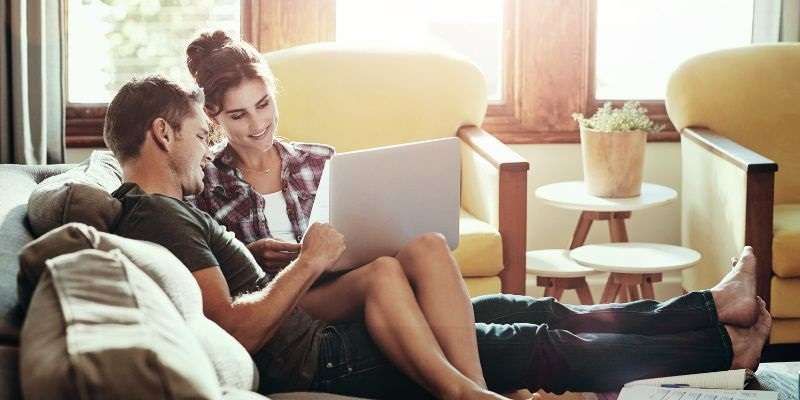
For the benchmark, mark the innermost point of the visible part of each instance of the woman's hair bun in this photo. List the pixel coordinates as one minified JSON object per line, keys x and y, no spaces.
{"x":204,"y":46}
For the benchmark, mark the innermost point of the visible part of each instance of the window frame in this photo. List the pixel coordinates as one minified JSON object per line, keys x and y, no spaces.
{"x":84,"y":121}
{"x":532,"y":111}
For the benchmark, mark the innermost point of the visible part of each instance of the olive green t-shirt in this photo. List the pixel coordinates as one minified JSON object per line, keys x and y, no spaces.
{"x":199,"y":241}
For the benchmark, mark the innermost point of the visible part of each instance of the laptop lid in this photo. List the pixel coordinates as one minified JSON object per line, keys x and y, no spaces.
{"x":381,"y":198}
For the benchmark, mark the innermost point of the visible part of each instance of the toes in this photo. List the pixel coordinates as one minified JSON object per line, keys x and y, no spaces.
{"x":747,"y":254}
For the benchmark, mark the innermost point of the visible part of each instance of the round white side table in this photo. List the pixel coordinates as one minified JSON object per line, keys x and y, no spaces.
{"x":556,"y":272}
{"x":633,"y":265}
{"x":573,"y":195}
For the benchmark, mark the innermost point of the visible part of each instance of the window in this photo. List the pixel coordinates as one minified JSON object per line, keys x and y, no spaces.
{"x":473,"y":28}
{"x":109,"y":41}
{"x":640,"y":42}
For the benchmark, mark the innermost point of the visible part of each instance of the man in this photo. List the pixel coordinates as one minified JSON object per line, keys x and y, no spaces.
{"x":158,"y":132}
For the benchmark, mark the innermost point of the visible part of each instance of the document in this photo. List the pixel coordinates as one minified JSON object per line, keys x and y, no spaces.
{"x":662,"y":393}
{"x":722,"y":385}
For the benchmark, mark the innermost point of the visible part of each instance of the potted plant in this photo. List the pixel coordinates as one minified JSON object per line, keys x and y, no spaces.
{"x":613,"y":145}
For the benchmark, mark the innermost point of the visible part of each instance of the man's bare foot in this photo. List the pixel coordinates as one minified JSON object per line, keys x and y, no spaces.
{"x":749,"y":342}
{"x":735,"y":294}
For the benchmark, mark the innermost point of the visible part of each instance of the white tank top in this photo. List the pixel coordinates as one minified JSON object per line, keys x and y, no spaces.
{"x":280,"y":227}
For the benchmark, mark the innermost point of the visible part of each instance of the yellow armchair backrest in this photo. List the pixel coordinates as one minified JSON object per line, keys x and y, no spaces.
{"x":750,"y":95}
{"x":355,"y":98}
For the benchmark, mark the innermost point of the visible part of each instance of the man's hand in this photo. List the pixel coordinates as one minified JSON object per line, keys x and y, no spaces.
{"x":273,"y":254}
{"x":321,"y":246}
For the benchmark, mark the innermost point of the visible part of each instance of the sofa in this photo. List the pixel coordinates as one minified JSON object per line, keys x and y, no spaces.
{"x":738,"y":113}
{"x":105,"y":316}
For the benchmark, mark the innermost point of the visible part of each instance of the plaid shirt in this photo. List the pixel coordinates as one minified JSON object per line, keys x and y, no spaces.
{"x":238,"y":206}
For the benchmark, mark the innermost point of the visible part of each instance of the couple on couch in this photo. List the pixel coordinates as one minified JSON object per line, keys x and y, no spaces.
{"x":398,"y":327}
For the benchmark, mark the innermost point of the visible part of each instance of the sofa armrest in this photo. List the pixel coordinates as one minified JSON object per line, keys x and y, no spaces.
{"x":494,"y":189}
{"x":727,"y":203}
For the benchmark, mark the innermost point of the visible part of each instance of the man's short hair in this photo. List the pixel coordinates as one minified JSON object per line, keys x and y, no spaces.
{"x":137,"y":104}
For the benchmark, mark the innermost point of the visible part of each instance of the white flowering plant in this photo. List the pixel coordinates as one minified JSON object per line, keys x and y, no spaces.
{"x":630,"y":117}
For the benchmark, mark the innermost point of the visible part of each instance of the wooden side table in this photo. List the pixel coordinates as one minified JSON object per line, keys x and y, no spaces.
{"x":556,"y":272}
{"x":633,"y":266}
{"x":574,"y":196}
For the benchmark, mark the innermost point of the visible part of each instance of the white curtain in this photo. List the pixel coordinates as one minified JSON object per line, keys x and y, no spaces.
{"x":776,"y":21}
{"x":31,"y":82}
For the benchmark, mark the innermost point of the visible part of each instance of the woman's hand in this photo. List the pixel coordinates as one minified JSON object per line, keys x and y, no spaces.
{"x":273,"y":254}
{"x":322,"y":246}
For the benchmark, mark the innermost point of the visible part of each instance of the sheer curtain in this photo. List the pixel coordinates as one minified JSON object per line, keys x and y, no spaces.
{"x":776,"y":21}
{"x":31,"y":82}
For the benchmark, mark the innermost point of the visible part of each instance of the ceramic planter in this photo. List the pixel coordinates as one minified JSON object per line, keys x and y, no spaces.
{"x":613,"y":162}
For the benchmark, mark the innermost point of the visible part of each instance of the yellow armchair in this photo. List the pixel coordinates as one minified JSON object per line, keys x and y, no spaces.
{"x":739,"y":114}
{"x":356,"y":98}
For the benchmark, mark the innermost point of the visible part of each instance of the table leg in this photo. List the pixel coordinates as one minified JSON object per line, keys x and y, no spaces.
{"x":610,"y":291}
{"x":581,"y":230}
{"x":584,"y":295}
{"x":633,"y":292}
{"x":616,"y":227}
{"x":647,"y":285}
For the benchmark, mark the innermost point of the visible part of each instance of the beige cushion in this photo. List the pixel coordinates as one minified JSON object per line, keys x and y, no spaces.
{"x":785,"y":297}
{"x":98,"y":327}
{"x":58,"y":200}
{"x":786,"y":241}
{"x":483,"y":285}
{"x":231,"y":361}
{"x":480,"y":248}
{"x":785,"y":331}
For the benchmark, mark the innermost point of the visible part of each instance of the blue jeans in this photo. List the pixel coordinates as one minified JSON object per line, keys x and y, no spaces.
{"x":542,"y":344}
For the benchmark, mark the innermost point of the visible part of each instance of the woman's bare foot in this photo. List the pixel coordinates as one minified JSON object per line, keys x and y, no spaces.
{"x":482,"y":394}
{"x":735,"y":294}
{"x":749,"y":342}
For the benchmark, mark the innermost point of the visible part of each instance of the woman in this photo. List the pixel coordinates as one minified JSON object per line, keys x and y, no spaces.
{"x":262,"y":188}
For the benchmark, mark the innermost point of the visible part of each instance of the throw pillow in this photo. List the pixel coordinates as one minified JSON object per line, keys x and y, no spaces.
{"x":98,"y":176}
{"x":99,"y":328}
{"x":231,"y":361}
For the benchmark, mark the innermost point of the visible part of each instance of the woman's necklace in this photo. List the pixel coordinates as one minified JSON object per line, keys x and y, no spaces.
{"x":260,"y":171}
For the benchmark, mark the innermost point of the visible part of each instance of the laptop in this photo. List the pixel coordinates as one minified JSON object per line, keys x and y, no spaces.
{"x":381,"y":198}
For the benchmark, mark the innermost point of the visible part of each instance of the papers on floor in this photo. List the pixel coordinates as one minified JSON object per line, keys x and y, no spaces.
{"x":732,"y":380}
{"x":723,"y":385}
{"x":660,"y":393}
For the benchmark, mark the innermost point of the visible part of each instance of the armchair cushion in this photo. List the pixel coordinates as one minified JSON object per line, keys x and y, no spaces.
{"x":786,"y":242}
{"x":355,"y":98}
{"x":480,"y":249}
{"x":785,"y":302}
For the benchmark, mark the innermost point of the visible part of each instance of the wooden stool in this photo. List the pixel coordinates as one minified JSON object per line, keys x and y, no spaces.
{"x":633,"y":266}
{"x":556,"y":272}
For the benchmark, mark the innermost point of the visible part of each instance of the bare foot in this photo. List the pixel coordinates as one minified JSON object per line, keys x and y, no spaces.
{"x":735,"y":294}
{"x":749,"y":342}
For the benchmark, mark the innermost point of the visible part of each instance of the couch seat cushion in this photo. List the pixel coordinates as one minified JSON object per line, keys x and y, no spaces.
{"x":480,"y":249}
{"x":785,"y":297}
{"x":786,"y":242}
